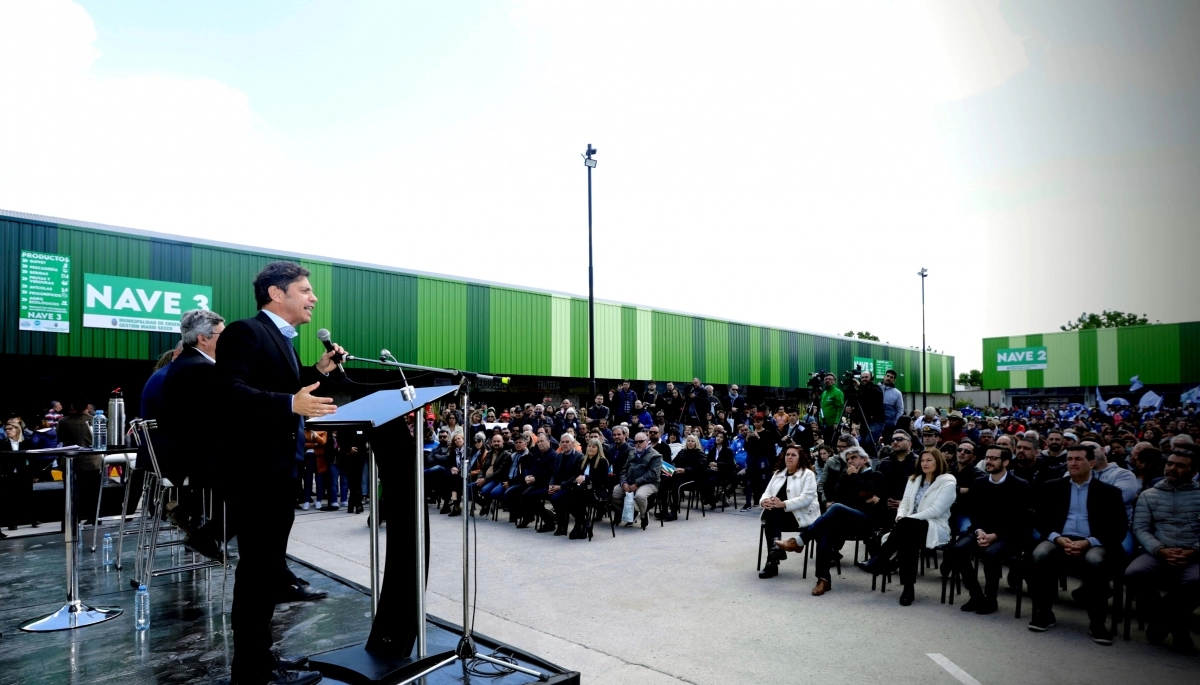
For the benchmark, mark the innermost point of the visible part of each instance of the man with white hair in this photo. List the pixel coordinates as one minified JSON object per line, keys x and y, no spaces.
{"x":188,"y":393}
{"x":640,"y":477}
{"x":928,"y":418}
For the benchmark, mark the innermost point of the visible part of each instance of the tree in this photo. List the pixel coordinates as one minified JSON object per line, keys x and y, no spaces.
{"x":974,"y":379}
{"x":862,"y":335}
{"x":1105,"y":319}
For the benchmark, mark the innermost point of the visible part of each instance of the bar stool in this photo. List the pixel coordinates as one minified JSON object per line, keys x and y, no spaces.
{"x":125,"y":461}
{"x":154,"y":491}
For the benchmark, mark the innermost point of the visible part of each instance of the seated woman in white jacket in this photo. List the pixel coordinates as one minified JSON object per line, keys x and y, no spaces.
{"x":922,"y":520}
{"x":789,"y":505}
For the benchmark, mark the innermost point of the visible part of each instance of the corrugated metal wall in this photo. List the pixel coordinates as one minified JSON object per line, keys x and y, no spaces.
{"x":441,"y":322}
{"x":1164,"y":353}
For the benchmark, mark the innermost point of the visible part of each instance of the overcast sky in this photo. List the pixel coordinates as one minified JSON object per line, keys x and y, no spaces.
{"x":791,"y":163}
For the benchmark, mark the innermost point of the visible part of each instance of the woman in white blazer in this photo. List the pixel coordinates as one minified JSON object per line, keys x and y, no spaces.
{"x":789,"y":505}
{"x":922,"y":520}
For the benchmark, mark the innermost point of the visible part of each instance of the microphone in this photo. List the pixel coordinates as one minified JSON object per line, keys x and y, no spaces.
{"x":323,"y":336}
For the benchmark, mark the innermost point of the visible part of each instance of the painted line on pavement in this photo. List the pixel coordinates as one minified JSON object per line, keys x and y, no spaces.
{"x":953,"y":669}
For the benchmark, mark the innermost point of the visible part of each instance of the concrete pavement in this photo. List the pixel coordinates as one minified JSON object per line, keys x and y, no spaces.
{"x":683,"y":603}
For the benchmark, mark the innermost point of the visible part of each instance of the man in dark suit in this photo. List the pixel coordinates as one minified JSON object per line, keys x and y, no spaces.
{"x":188,"y":397}
{"x":1082,"y":524}
{"x":568,"y":465}
{"x":998,"y":509}
{"x":266,"y":393}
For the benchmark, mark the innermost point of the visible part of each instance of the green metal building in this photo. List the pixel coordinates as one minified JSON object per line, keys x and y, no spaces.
{"x":1068,"y":363}
{"x":430,"y":320}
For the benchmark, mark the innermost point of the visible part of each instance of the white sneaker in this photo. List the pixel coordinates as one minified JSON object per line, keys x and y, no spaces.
{"x":304,"y":506}
{"x":337,"y":502}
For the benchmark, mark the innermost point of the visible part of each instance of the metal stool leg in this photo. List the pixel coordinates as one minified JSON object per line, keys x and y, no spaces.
{"x":121,"y":526}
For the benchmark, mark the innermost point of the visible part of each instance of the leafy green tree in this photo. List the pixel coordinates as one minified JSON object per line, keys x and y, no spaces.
{"x":862,"y":335}
{"x":1105,"y":319}
{"x":973,"y":379}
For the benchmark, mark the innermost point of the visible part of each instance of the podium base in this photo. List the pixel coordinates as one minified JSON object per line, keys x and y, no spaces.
{"x":354,"y":664}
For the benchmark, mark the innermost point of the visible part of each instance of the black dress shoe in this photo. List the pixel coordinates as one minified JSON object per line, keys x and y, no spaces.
{"x":545,"y":527}
{"x":906,"y":597}
{"x":299,"y":591}
{"x":769,"y":571}
{"x":289,"y":677}
{"x":35,"y":524}
{"x":645,"y":521}
{"x":522,"y":523}
{"x":445,"y":508}
{"x":577,"y":533}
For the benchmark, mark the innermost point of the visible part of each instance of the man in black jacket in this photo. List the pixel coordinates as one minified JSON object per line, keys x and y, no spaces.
{"x":189,"y":392}
{"x":699,"y":405}
{"x":1082,"y":524}
{"x":1028,"y":466}
{"x":568,"y":464}
{"x":998,"y":508}
{"x":870,"y":398}
{"x":895,"y":470}
{"x":268,"y":392}
{"x":537,"y":470}
{"x":858,"y":510}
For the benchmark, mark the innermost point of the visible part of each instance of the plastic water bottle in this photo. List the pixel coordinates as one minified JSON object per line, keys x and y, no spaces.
{"x":108,"y":550}
{"x":141,"y":608}
{"x":100,"y":431}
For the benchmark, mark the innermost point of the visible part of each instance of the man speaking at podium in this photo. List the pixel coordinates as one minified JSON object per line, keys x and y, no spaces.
{"x":266,"y":393}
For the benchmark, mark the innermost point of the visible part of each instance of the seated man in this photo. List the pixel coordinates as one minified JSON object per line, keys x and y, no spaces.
{"x":858,"y":510}
{"x":514,"y":482}
{"x":1082,"y":524}
{"x":1165,"y":523}
{"x":537,"y":468}
{"x":569,"y":462}
{"x":641,"y":476}
{"x":998,"y":511}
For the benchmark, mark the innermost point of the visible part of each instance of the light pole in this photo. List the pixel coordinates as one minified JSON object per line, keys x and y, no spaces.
{"x":923,"y":273}
{"x":591,"y":164}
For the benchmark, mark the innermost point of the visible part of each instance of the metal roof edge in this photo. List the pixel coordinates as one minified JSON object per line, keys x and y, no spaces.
{"x":188,"y":240}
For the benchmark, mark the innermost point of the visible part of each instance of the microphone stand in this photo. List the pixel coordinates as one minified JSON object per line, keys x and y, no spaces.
{"x":466,"y":649}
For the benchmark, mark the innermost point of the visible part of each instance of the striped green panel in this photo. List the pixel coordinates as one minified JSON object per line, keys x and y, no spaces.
{"x":629,"y":342}
{"x":231,"y":275}
{"x":993,"y":379}
{"x":645,"y":344}
{"x":716,"y":351}
{"x":111,"y":255}
{"x":1089,"y":358}
{"x":479,"y":329}
{"x":806,"y":357}
{"x":1018,"y":379}
{"x":698,"y":355}
{"x":756,"y":356}
{"x":1063,"y":368}
{"x":520,"y":339}
{"x":580,"y":354}
{"x":1149,"y":352}
{"x":441,"y":323}
{"x":1189,"y":348}
{"x":822,"y":356}
{"x":777,"y":357}
{"x":608,"y":340}
{"x":739,"y":353}
{"x":374,"y":311}
{"x":560,"y":336}
{"x":320,"y":277}
{"x":1108,"y":367}
{"x":1035,"y":378}
{"x":935,"y":373}
{"x":672,"y":347}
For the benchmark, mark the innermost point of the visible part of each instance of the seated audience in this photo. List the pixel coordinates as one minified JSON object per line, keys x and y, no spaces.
{"x":789,"y":505}
{"x":641,"y":477}
{"x":1082,"y":524}
{"x":589,"y":487}
{"x":859,"y":508}
{"x":1167,"y":525}
{"x":568,"y":462}
{"x":998,"y":513}
{"x":922,"y":521}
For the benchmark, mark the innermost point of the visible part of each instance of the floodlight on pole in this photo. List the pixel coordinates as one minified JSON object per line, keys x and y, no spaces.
{"x":591,"y":164}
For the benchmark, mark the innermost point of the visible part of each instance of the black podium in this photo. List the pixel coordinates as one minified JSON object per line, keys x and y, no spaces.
{"x":396,"y":647}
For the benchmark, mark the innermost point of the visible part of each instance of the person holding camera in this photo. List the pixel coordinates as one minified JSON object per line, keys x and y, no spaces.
{"x":792,"y":508}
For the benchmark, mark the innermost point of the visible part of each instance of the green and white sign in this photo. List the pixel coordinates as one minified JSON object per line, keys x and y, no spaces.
{"x":136,"y":304}
{"x":45,"y":293}
{"x":865,"y":364}
{"x":1021,"y":359}
{"x":882,"y":366}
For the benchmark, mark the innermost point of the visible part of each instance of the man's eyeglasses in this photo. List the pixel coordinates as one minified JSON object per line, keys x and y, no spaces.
{"x":899,"y":438}
{"x":639,"y":442}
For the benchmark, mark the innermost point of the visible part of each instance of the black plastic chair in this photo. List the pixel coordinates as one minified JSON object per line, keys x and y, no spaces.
{"x":762,"y":539}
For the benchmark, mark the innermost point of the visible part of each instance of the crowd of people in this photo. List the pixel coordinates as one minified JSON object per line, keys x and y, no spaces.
{"x":1088,"y":494}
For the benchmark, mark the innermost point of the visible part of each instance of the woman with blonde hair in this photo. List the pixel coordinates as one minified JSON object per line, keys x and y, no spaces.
{"x":589,"y":487}
{"x":922,"y":520}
